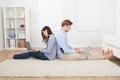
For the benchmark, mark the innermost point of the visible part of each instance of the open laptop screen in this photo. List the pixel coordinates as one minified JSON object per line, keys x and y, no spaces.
{"x":28,"y":46}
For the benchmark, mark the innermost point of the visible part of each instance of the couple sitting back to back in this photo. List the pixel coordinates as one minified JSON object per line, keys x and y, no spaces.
{"x":57,"y":46}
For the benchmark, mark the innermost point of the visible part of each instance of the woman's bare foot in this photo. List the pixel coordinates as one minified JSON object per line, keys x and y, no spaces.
{"x":10,"y":56}
{"x":108,"y":54}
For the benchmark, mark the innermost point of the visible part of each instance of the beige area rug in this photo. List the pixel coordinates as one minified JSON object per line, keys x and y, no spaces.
{"x":58,"y":68}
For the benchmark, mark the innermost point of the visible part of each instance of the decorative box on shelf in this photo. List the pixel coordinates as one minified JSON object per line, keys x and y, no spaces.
{"x":21,"y":36}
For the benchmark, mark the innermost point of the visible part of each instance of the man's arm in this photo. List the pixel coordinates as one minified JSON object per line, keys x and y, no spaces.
{"x":62,"y":42}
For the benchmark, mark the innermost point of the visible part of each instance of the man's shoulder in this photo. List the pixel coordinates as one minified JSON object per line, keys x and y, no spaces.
{"x":58,"y":33}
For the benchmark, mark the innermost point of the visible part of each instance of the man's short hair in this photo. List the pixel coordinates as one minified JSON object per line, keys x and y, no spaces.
{"x":66,"y":22}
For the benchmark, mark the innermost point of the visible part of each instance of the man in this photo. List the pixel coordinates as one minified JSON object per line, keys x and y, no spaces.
{"x":65,"y":51}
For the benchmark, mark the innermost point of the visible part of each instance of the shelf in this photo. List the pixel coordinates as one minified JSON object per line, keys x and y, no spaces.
{"x":21,"y":28}
{"x":15,"y":49}
{"x":9,"y":17}
{"x":20,"y":17}
{"x":14,"y":17}
{"x":15,"y":28}
{"x":17,"y":38}
{"x":16,"y":22}
{"x":11,"y":38}
{"x":9,"y":28}
{"x":21,"y":38}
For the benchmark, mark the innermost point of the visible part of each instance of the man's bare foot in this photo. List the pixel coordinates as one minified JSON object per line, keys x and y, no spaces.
{"x":105,"y":52}
{"x":108,"y":54}
{"x":10,"y":56}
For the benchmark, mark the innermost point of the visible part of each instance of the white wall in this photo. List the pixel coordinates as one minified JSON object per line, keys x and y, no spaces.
{"x":85,"y":15}
{"x":69,"y":11}
{"x":87,"y":28}
{"x":89,"y":14}
{"x":50,"y":14}
{"x":118,"y":18}
{"x":91,"y":18}
{"x":109,"y":17}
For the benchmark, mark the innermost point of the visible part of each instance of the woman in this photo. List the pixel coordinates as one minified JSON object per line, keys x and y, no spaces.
{"x":48,"y":53}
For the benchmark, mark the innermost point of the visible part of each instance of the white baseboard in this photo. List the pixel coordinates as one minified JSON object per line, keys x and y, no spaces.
{"x":1,"y":49}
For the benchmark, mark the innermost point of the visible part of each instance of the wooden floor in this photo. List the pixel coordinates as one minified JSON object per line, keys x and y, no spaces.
{"x":4,"y":53}
{"x":59,"y":78}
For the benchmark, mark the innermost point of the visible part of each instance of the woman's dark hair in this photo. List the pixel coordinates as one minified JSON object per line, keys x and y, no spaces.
{"x":45,"y":39}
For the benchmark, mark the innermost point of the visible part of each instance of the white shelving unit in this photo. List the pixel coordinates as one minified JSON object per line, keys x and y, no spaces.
{"x":16,"y":27}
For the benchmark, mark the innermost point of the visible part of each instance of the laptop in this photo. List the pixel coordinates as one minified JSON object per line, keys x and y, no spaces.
{"x":29,"y":48}
{"x":85,"y":50}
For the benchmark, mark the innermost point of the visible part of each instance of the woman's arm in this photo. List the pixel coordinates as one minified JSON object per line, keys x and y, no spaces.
{"x":50,"y":45}
{"x":36,"y":49}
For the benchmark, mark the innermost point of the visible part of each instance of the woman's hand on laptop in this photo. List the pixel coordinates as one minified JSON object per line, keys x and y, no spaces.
{"x":77,"y":50}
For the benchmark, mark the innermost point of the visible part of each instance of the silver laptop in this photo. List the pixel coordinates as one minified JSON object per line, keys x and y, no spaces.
{"x":28,"y":46}
{"x":85,"y":50}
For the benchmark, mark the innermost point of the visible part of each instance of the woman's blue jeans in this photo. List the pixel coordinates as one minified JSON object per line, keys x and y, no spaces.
{"x":37,"y":55}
